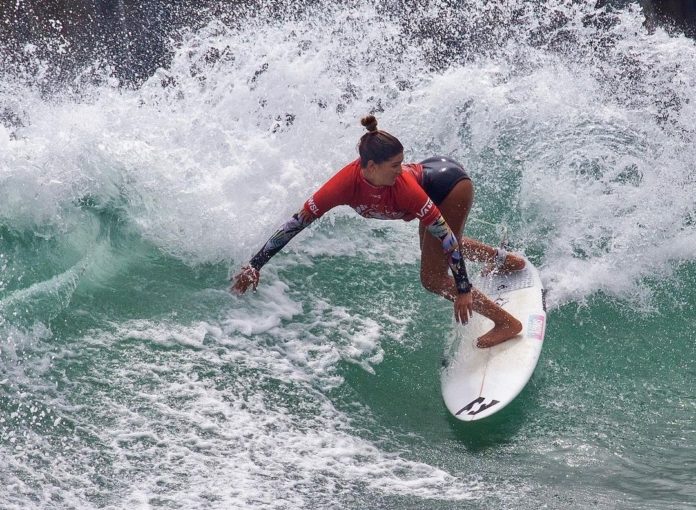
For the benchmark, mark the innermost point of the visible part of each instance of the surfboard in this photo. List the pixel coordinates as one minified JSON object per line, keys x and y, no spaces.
{"x":477,"y":382}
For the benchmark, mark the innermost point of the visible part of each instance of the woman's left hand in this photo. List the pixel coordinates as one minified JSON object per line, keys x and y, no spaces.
{"x":247,"y":277}
{"x":464,"y":307}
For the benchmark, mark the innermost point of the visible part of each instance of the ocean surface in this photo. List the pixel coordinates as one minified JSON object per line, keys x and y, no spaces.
{"x":131,"y":378}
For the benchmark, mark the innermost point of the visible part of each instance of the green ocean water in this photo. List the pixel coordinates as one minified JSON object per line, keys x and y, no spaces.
{"x":90,"y":410}
{"x":131,"y":378}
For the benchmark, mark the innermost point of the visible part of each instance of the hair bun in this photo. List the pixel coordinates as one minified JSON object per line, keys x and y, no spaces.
{"x":369,"y":122}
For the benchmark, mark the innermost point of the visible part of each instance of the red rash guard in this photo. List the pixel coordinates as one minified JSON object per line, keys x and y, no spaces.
{"x":404,"y":200}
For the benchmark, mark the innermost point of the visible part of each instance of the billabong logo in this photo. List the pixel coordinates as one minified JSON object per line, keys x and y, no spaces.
{"x":535,"y":326}
{"x":476,"y":406}
{"x":425,"y":209}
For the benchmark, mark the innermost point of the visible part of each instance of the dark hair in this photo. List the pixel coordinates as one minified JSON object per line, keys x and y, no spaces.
{"x":377,"y":145}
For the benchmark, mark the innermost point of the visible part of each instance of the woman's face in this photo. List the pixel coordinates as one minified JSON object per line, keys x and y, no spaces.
{"x":385,"y":173}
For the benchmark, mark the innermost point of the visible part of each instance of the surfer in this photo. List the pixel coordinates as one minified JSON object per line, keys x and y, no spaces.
{"x":438,"y":192}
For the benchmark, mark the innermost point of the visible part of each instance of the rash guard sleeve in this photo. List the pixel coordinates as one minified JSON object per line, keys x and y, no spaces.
{"x":450,"y":246}
{"x":413,"y":199}
{"x":336,"y":191}
{"x":283,"y":235}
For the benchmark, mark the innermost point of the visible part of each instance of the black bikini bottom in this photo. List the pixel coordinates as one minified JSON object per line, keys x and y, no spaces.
{"x":440,"y":174}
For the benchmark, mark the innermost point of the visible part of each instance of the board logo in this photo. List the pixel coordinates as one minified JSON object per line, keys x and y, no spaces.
{"x":476,"y":406}
{"x":535,"y":326}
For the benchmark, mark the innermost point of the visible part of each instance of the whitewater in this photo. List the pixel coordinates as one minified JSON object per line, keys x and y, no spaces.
{"x":131,"y":378}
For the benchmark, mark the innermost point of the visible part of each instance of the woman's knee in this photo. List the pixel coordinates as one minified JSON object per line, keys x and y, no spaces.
{"x":431,"y":281}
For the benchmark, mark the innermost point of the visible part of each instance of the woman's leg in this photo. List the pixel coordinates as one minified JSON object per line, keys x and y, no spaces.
{"x":435,"y":274}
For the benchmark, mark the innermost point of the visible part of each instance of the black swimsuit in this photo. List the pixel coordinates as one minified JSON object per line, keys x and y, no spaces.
{"x":440,"y":174}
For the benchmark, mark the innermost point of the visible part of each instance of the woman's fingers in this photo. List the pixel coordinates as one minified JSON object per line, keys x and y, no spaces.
{"x":238,"y":285}
{"x":463,"y":308}
{"x":463,"y":318}
{"x":247,"y":277}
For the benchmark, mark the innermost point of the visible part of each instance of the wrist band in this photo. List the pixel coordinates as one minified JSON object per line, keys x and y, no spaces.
{"x":464,"y":287}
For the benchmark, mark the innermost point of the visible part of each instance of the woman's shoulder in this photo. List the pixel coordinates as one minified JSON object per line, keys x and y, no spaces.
{"x":344,"y":180}
{"x":349,"y":172}
{"x":414,"y":169}
{"x":411,"y":175}
{"x":351,"y":168}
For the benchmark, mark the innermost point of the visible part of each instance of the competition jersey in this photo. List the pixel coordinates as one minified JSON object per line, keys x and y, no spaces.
{"x":404,"y":200}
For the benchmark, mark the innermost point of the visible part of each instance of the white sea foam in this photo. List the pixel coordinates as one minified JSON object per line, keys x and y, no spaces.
{"x":217,"y":150}
{"x":583,"y":144}
{"x":268,"y":436}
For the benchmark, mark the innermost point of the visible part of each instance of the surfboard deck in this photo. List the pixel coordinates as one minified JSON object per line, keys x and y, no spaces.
{"x":476,"y":382}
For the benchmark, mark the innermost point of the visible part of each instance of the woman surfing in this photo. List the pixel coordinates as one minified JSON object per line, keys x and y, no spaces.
{"x":438,"y":192}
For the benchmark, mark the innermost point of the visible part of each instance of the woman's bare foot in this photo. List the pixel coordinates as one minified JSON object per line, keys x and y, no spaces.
{"x":500,"y":333}
{"x":512,"y":263}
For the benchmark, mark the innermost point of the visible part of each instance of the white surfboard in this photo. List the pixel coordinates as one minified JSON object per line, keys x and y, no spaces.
{"x":476,"y":382}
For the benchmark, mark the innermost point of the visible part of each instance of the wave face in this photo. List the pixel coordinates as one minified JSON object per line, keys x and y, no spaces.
{"x":129,"y":377}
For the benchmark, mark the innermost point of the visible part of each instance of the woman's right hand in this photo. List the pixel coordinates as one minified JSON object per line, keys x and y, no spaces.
{"x":464,"y":307}
{"x":247,"y":277}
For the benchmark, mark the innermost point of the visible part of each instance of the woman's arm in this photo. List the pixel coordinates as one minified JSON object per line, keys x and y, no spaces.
{"x":464,"y":301}
{"x":299,"y":221}
{"x":336,"y":191}
{"x":450,"y":245}
{"x":249,"y":275}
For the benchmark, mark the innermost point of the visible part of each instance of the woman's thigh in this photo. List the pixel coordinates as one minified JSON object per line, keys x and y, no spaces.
{"x":455,"y":210}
